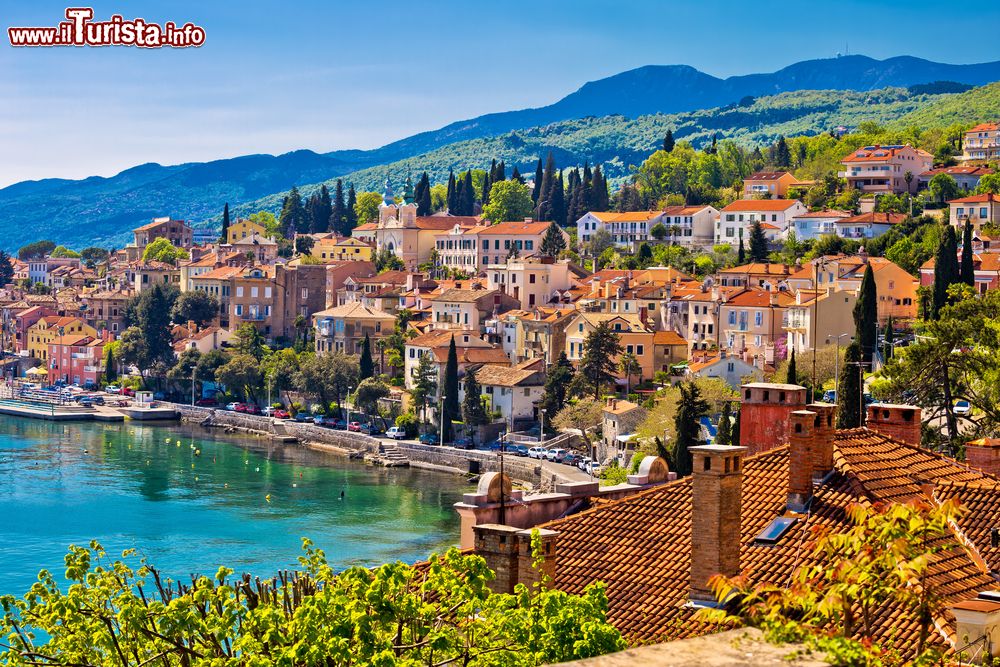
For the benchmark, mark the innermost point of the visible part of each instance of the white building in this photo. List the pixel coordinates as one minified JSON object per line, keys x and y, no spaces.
{"x":736,"y":219}
{"x":812,"y":225}
{"x":513,"y":392}
{"x":533,"y":282}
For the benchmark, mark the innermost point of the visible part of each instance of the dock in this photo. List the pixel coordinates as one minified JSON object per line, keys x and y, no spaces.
{"x":59,"y":412}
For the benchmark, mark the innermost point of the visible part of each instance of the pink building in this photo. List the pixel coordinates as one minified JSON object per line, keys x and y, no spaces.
{"x":471,"y":249}
{"x":76,"y":359}
{"x":886,"y":168}
{"x":24,"y":320}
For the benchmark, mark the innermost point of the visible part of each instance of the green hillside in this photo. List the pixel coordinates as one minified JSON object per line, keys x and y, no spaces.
{"x":971,"y":107}
{"x":619,"y":143}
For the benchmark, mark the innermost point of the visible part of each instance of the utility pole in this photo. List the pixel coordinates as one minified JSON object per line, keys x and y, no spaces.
{"x":503,"y":500}
{"x":441,"y":418}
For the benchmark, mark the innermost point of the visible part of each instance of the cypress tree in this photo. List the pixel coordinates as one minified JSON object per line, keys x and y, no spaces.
{"x":553,"y":242}
{"x":293,"y":214}
{"x":557,"y":200}
{"x":849,"y":391}
{"x":366,"y":366}
{"x":325,"y":209}
{"x":110,"y":373}
{"x":758,"y":243}
{"x":338,"y":213}
{"x":452,"y":199}
{"x":782,"y":156}
{"x":866,"y":315}
{"x":946,"y":271}
{"x":687,"y":423}
{"x":792,"y":376}
{"x":537,"y":189}
{"x":468,"y":195}
{"x":485,"y":198}
{"x":601,"y":198}
{"x":724,"y":434}
{"x":224,"y":235}
{"x":741,"y":256}
{"x":351,"y":215}
{"x":473,"y":412}
{"x":735,"y":436}
{"x":515,"y":175}
{"x":452,"y":408}
{"x":423,"y":196}
{"x":557,"y":383}
{"x":967,"y":272}
{"x":668,"y":141}
{"x":890,"y":335}
{"x":501,"y":173}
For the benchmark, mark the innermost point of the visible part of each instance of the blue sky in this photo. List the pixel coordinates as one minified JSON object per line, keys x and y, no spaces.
{"x":278,"y":76}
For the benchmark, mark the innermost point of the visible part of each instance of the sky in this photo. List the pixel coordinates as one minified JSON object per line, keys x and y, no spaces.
{"x":278,"y":76}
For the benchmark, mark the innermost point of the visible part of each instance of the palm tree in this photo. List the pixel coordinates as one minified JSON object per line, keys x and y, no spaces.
{"x":629,"y":366}
{"x":381,"y":344}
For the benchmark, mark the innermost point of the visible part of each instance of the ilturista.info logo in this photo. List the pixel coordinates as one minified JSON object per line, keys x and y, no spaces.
{"x":80,"y":29}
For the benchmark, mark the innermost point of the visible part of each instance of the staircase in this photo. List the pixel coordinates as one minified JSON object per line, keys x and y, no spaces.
{"x":390,"y":456}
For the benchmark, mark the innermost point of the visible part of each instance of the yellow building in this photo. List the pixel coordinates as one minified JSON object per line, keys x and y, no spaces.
{"x":333,"y":250}
{"x":242,"y":229}
{"x":47,"y":329}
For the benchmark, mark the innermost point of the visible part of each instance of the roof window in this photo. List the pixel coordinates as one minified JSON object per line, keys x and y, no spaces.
{"x":775,"y":531}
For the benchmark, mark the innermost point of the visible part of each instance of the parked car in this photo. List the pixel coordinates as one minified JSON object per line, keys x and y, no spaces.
{"x":128,"y":391}
{"x":537,"y":453}
{"x":583,"y":463}
{"x":595,"y":469}
{"x":281,"y":414}
{"x":90,"y":401}
{"x":206,"y":402}
{"x":354,"y":427}
{"x":251,"y":408}
{"x":571,"y":459}
{"x":396,"y":433}
{"x":113,"y":389}
{"x":320,"y":420}
{"x":371,"y":429}
{"x":556,"y":454}
{"x":339,"y":424}
{"x":962,"y":408}
{"x":830,"y":396}
{"x":519,"y":450}
{"x":232,"y":407}
{"x":303,"y":417}
{"x":267,"y":411}
{"x":428,"y":438}
{"x":464,"y":442}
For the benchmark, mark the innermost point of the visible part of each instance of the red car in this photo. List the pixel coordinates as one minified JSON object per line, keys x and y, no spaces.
{"x":251,"y":408}
{"x":281,"y":414}
{"x":128,"y":391}
{"x":354,"y":426}
{"x":206,"y":402}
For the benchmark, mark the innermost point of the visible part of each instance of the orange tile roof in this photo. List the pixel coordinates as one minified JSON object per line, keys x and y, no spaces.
{"x":987,"y":198}
{"x":824,"y":214}
{"x":473,"y":355}
{"x":760,"y":205}
{"x":628,"y":216}
{"x":875,"y":218}
{"x":640,"y":546}
{"x":444,"y":222}
{"x":983,"y":127}
{"x":668,"y":338}
{"x":519,"y":228}
{"x":760,"y":268}
{"x":766,"y":175}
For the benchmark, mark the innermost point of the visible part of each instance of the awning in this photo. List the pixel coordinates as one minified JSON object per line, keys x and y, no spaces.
{"x":627,"y":437}
{"x":37,"y":370}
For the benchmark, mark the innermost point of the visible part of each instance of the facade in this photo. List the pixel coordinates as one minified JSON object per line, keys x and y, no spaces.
{"x":868,"y":225}
{"x":690,"y":226}
{"x":635,"y":336}
{"x":23,"y":320}
{"x":48,"y":329}
{"x":627,"y":230}
{"x":176,"y":231}
{"x":513,"y":392}
{"x":731,"y":370}
{"x":76,"y":359}
{"x":472,"y":249}
{"x":468,"y":309}
{"x":751,"y":322}
{"x":982,"y":142}
{"x":967,"y":177}
{"x":886,"y":168}
{"x":106,"y":309}
{"x":145,"y":274}
{"x":40,"y":268}
{"x":978,"y":209}
{"x":532,"y":282}
{"x":253,"y":296}
{"x":814,"y":224}
{"x":332,"y":250}
{"x":242,"y":229}
{"x":824,"y":318}
{"x":343,"y":328}
{"x":736,"y":219}
{"x":768,"y":184}
{"x":204,"y":340}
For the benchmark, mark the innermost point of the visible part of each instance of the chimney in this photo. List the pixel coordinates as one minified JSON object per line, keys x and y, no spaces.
{"x":765,"y":414}
{"x":824,"y":435}
{"x":527,"y":573}
{"x":716,"y":487}
{"x":801,"y":434}
{"x":977,"y":626}
{"x":899,"y":422}
{"x":984,"y":454}
{"x":497,"y":544}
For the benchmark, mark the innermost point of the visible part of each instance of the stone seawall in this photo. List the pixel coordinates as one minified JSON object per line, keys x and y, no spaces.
{"x":461,"y":461}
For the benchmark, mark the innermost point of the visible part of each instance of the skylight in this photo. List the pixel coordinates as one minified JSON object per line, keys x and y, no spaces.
{"x":775,"y":530}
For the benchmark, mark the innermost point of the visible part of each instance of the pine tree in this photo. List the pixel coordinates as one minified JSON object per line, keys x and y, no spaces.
{"x":515,"y":175}
{"x":724,"y":434}
{"x":423,"y":196}
{"x":758,"y":243}
{"x":224,"y":235}
{"x":849,"y":391}
{"x":293,"y":214}
{"x":557,"y":384}
{"x":536,"y":191}
{"x":691,"y":407}
{"x":792,"y":376}
{"x":553,"y":242}
{"x":452,"y":199}
{"x":782,"y":156}
{"x":452,"y":407}
{"x":473,"y":412}
{"x":338,"y":212}
{"x":946,"y":271}
{"x":366,"y":365}
{"x":741,"y":256}
{"x":668,"y":141}
{"x":351,"y":214}
{"x":967,"y":272}
{"x":866,"y":315}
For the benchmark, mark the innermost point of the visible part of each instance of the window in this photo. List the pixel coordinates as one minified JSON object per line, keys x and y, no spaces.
{"x":629,"y":349}
{"x":581,"y":326}
{"x":413,"y":353}
{"x":239,"y":310}
{"x":639,"y":350}
{"x":267,"y":292}
{"x":732,"y":317}
{"x":305,"y":292}
{"x":528,"y":245}
{"x":531,"y":278}
{"x":239,"y":291}
{"x":253,"y":292}
{"x":758,"y":318}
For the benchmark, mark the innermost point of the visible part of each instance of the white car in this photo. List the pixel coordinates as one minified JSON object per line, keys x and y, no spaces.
{"x":231,"y":407}
{"x":962,"y":408}
{"x":537,"y":453}
{"x":267,"y":411}
{"x":584,"y":463}
{"x":396,"y":433}
{"x":555,"y":454}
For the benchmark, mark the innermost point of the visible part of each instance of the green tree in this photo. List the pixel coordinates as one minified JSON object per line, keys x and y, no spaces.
{"x":6,"y":269}
{"x":369,"y":392}
{"x":791,"y":375}
{"x":151,"y":313}
{"x":110,"y":362}
{"x":989,"y":184}
{"x":668,"y":141}
{"x":338,"y":213}
{"x":967,"y":270}
{"x":888,"y":346}
{"x":943,"y":187}
{"x":866,"y":316}
{"x":553,"y":242}
{"x":162,"y":250}
{"x":691,"y":407}
{"x":629,"y":365}
{"x":424,"y":384}
{"x":92,"y":256}
{"x":304,"y":245}
{"x":266,"y":220}
{"x":557,"y":383}
{"x":366,"y":210}
{"x":366,"y":367}
{"x":724,"y":434}
{"x":224,"y":233}
{"x":35,"y":250}
{"x":249,"y":341}
{"x":473,"y":410}
{"x":293,"y":215}
{"x":849,"y":399}
{"x":195,"y":306}
{"x":598,"y":363}
{"x":387,"y":260}
{"x":659,"y":231}
{"x":452,"y":408}
{"x":741,"y":255}
{"x":241,"y":375}
{"x":63,"y":251}
{"x":350,"y":214}
{"x":327,"y":376}
{"x":946,"y":271}
{"x":758,"y":243}
{"x":509,"y":201}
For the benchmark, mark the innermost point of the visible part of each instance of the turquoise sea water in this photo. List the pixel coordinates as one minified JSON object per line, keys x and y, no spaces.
{"x":127,"y":487}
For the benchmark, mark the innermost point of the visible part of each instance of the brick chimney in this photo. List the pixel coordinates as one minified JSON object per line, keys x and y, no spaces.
{"x":899,"y":422}
{"x":497,"y":544}
{"x":527,"y":573}
{"x":716,"y":486}
{"x":984,"y":454}
{"x":765,"y":413}
{"x":801,"y":436}
{"x":825,"y":433}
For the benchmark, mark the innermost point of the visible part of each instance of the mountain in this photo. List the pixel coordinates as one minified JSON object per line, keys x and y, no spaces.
{"x":102,"y":210}
{"x":977,"y":105}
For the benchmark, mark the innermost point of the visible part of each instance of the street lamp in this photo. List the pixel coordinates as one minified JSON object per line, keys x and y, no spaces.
{"x":347,"y":404}
{"x":193,"y":369}
{"x":541,"y":431}
{"x":836,"y":366}
{"x":441,"y":418}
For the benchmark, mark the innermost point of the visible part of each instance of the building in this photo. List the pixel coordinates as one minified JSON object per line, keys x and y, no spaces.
{"x":470,"y":349}
{"x":536,"y":334}
{"x":751,"y":322}
{"x":669,"y":349}
{"x":513,"y":392}
{"x":768,"y":276}
{"x":176,"y":231}
{"x":627,"y":229}
{"x":966,"y":177}
{"x":467,"y":309}
{"x":635,"y":336}
{"x":343,"y":328}
{"x":76,"y":359}
{"x":769,"y":185}
{"x":619,"y":421}
{"x":690,"y":226}
{"x":21,"y":320}
{"x":472,"y":249}
{"x":48,"y":329}
{"x":204,"y":340}
{"x":897,"y":289}
{"x":978,"y":209}
{"x":731,"y":370}
{"x":825,"y":318}
{"x":868,"y":225}
{"x":106,"y":309}
{"x":252,"y":299}
{"x":41,"y":268}
{"x":982,"y":142}
{"x":145,"y":274}
{"x":332,"y":250}
{"x":736,"y":219}
{"x":814,"y":224}
{"x":256,"y":248}
{"x":986,"y":269}
{"x":886,"y":168}
{"x":532,"y":282}
{"x":242,"y":229}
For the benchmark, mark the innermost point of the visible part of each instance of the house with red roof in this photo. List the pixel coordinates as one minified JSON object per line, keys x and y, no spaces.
{"x":867,"y":225}
{"x":982,"y":142}
{"x":775,"y":215}
{"x":770,"y":184}
{"x":886,"y":168}
{"x":967,"y":177}
{"x":980,"y":210}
